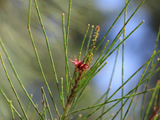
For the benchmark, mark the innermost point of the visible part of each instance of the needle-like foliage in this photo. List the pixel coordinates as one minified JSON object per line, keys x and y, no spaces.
{"x":71,"y":89}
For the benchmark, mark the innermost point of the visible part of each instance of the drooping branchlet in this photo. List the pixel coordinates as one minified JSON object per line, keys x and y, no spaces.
{"x":82,"y":66}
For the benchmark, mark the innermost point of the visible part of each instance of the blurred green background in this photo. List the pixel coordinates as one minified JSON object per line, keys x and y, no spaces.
{"x":15,"y":36}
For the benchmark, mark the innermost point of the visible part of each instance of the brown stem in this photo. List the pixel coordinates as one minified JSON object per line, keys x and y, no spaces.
{"x":154,"y":113}
{"x":72,"y":92}
{"x":73,"y":89}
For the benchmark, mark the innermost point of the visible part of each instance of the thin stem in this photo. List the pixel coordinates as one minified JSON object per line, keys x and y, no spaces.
{"x":12,"y":86}
{"x":109,"y":87}
{"x":29,"y":103}
{"x":72,"y":95}
{"x":126,"y":82}
{"x":38,"y":60}
{"x":80,"y":51}
{"x":133,"y":95}
{"x":12,"y":104}
{"x":13,"y":118}
{"x":33,"y":113}
{"x":97,"y":64}
{"x":124,"y":33}
{"x":138,"y":86}
{"x":134,"y":108}
{"x":66,"y":57}
{"x":154,"y":113}
{"x":46,"y":38}
{"x":119,"y":99}
{"x":149,"y":78}
{"x":68,"y":23}
{"x":111,"y":27}
{"x":151,"y":101}
{"x":103,"y":50}
{"x":89,"y":40}
{"x":15,"y":72}
{"x":157,"y":39}
{"x":43,"y":104}
{"x":47,"y":104}
{"x":62,"y":96}
{"x":105,"y":57}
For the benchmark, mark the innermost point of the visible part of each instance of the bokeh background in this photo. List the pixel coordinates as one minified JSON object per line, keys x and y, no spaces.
{"x":15,"y":36}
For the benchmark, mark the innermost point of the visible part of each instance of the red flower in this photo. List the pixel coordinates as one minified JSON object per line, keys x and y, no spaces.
{"x":80,"y":64}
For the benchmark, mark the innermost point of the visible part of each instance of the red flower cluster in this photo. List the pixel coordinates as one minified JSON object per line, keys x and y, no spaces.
{"x":80,"y":64}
